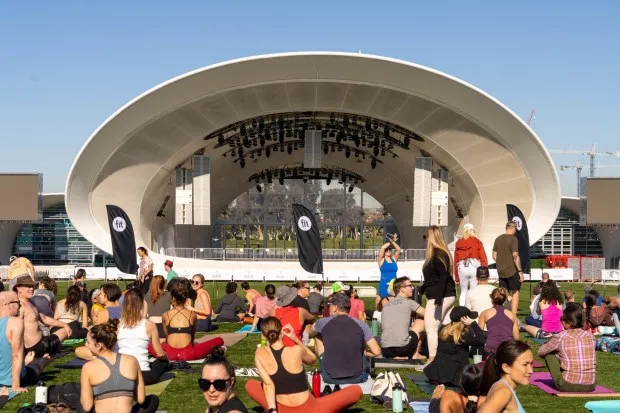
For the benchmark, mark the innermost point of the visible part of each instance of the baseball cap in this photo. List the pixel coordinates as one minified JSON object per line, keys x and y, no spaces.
{"x":468,"y":227}
{"x":341,"y":301}
{"x":13,"y":258}
{"x":168,"y":263}
{"x":339,"y":286}
{"x":458,"y":312}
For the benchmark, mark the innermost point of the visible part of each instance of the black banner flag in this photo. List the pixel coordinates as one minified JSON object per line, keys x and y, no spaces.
{"x":123,"y":240}
{"x":308,"y":240}
{"x":523,"y":236}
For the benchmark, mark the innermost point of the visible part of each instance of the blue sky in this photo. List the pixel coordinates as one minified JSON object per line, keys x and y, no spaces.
{"x":66,"y":66}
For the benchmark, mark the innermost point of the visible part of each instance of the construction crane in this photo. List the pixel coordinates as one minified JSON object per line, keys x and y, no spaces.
{"x":579,"y":167}
{"x":592,"y":154}
{"x":532,"y":117}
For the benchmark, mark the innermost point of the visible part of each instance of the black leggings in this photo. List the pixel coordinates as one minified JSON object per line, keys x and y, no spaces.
{"x":76,"y":330}
{"x":158,"y":368}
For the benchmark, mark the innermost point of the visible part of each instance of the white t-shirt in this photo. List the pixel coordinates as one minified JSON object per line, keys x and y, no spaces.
{"x":478,"y":298}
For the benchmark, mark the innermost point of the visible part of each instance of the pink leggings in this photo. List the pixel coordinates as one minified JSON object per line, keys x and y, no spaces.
{"x":331,"y":403}
{"x":194,"y":351}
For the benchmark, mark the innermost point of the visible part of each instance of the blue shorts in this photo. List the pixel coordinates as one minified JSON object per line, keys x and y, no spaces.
{"x":383,"y":289}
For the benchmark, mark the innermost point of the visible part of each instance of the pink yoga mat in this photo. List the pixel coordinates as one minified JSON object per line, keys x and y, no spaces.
{"x":543,"y":381}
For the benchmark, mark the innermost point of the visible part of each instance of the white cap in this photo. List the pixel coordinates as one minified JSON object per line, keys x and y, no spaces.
{"x":468,"y":227}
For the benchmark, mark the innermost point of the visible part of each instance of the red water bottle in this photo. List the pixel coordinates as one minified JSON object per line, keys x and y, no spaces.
{"x":316,"y":383}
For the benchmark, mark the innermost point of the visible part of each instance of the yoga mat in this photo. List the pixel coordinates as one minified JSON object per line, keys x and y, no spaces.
{"x":422,"y":382}
{"x":603,"y":406}
{"x":158,"y":388}
{"x":543,"y":381}
{"x":73,"y":342}
{"x":72,"y":364}
{"x":419,"y":406}
{"x":230,"y":339}
{"x":366,"y":387}
{"x":384,"y":363}
{"x":247,"y":329}
{"x":540,"y":341}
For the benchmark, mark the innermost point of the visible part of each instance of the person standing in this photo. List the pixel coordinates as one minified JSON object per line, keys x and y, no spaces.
{"x":315,"y":300}
{"x":388,"y":266}
{"x":19,"y":266}
{"x":170,"y":273}
{"x":145,"y":271}
{"x":439,"y":286}
{"x":506,"y":256}
{"x":468,"y":256}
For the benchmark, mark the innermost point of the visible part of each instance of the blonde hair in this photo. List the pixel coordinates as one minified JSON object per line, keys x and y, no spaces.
{"x":468,"y":233}
{"x":454,"y":329}
{"x":435,"y":243}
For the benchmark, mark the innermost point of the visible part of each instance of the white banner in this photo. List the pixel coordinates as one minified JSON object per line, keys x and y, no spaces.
{"x":611,"y":275}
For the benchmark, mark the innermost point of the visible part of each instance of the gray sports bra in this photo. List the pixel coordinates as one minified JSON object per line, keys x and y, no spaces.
{"x":116,"y":385}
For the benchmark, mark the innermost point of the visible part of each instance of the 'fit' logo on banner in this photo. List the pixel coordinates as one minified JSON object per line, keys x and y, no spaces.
{"x":519,"y":222}
{"x":119,"y":224}
{"x":304,"y":223}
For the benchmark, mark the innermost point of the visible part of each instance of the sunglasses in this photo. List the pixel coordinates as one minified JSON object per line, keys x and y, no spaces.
{"x":14,"y":302}
{"x":196,"y":282}
{"x":218,"y":385}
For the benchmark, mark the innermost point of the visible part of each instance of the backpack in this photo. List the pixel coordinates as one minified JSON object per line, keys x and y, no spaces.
{"x":381,"y":392}
{"x":67,"y":393}
{"x":608,"y":344}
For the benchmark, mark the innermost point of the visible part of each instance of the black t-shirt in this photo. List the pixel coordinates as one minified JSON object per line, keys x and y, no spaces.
{"x":300,"y":302}
{"x":233,"y":404}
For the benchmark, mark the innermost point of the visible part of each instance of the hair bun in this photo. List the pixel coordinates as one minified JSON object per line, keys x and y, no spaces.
{"x":216,"y":352}
{"x":112,"y":325}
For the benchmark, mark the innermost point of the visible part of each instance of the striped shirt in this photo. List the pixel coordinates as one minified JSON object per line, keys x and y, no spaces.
{"x":575,"y":349}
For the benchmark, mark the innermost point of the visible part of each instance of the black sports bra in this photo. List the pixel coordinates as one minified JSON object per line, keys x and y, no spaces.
{"x":179,"y":330}
{"x":285,"y":381}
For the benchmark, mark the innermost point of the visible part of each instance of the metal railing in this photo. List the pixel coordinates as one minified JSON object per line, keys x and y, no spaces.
{"x":285,"y":254}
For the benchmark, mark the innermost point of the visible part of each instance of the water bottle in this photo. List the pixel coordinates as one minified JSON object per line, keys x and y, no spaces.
{"x":316,"y":383}
{"x":374,"y":326}
{"x":397,"y":398}
{"x":40,"y":395}
{"x":263,"y":341}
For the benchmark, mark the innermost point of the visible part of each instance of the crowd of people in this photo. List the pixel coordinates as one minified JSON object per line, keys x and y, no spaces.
{"x":133,"y":335}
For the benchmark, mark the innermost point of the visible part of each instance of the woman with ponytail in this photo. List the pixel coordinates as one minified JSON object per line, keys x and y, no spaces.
{"x":465,"y":401}
{"x":501,"y":324}
{"x":504,"y":371}
{"x":111,"y":382}
{"x":284,"y":385}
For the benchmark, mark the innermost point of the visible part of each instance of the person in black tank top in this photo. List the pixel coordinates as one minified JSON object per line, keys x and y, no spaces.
{"x":284,"y":384}
{"x":217,"y":382}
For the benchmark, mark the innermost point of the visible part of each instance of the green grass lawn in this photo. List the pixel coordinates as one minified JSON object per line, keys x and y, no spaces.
{"x":183,"y":394}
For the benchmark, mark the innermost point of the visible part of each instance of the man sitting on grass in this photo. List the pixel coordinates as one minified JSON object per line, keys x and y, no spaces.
{"x":571,"y":355}
{"x":33,"y":337}
{"x":400,"y":331}
{"x":342,"y":342}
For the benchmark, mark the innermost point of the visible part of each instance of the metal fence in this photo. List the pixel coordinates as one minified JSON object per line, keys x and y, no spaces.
{"x":285,"y":254}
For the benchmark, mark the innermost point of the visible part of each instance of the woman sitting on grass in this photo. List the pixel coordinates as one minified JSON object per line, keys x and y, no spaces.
{"x":202,"y":304}
{"x":180,"y":328}
{"x":501,"y":324}
{"x":453,"y":349}
{"x":109,"y":294}
{"x":285,"y":384}
{"x":550,"y":304}
{"x":217,"y":383}
{"x":505,"y":370}
{"x":111,"y":382}
{"x":465,"y":401}
{"x":264,"y":306}
{"x":571,"y":355}
{"x":596,"y":315}
{"x":231,"y":308}
{"x":157,"y":302}
{"x":73,"y":312}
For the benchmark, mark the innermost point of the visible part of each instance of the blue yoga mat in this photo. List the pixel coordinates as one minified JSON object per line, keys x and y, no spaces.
{"x":72,"y":364}
{"x":247,"y":329}
{"x":540,"y":341}
{"x":419,"y":406}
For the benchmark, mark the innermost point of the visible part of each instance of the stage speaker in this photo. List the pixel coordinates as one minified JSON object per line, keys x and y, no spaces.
{"x":312,"y":149}
{"x":201,"y":184}
{"x":422,"y":187}
{"x":439,"y":198}
{"x":183,"y":197}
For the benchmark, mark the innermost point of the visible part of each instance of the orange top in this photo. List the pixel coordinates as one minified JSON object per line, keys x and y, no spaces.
{"x":289,"y":315}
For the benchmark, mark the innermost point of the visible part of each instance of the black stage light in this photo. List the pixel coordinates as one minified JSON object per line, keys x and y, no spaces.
{"x":261,"y":124}
{"x":281,"y":135}
{"x":233,"y":153}
{"x":406,"y":142}
{"x":333,"y":148}
{"x":281,"y":148}
{"x":259,"y":152}
{"x":262,"y":141}
{"x":325,"y":149}
{"x":220,"y":139}
{"x":345,"y":121}
{"x":289,"y":149}
{"x":340,"y":136}
{"x":347,"y":153}
{"x":373,"y":163}
{"x":255,"y":142}
{"x":375,"y":125}
{"x":243,"y":131}
{"x":295,"y":146}
{"x":331,"y":134}
{"x":241,"y":151}
{"x":332,"y":117}
{"x":258,"y":188}
{"x":351,"y":188}
{"x":382,"y":152}
{"x":281,"y":181}
{"x":357,"y":154}
{"x":289,"y":133}
{"x":305,"y":179}
{"x":376,"y":151}
{"x":254,"y":123}
{"x":242,"y":163}
{"x":386,"y":131}
{"x":224,"y":154}
{"x":269,"y":178}
{"x":268,"y":152}
{"x":267,"y":135}
{"x":328,"y":181}
{"x":368,"y":124}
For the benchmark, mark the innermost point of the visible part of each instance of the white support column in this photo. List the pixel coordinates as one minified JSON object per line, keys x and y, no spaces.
{"x":422,"y":187}
{"x":183,"y":198}
{"x":439,"y":198}
{"x":201,"y":185}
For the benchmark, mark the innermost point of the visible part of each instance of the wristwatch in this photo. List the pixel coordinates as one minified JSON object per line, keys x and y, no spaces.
{"x":272,"y":410}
